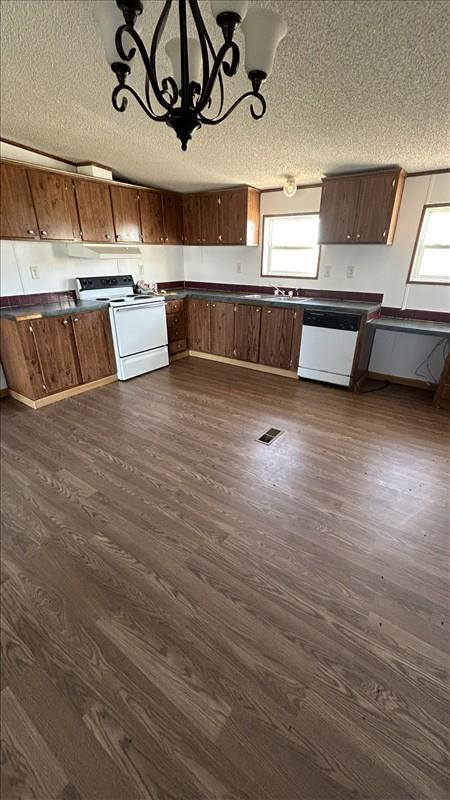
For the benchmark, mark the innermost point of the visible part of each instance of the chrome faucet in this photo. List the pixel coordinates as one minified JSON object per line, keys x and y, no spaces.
{"x":279,"y":291}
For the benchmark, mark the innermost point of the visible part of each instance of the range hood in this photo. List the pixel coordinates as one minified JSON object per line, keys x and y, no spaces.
{"x":82,"y":250}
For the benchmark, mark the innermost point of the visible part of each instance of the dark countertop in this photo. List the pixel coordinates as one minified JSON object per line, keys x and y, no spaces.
{"x":52,"y":309}
{"x":427,"y":327}
{"x":274,"y":301}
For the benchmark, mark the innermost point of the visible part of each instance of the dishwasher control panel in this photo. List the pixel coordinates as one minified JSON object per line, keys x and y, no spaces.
{"x":338,"y":320}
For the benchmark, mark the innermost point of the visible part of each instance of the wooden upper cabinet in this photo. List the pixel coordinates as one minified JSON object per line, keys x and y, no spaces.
{"x":222,"y":329}
{"x":361,"y":208}
{"x":233,"y":216}
{"x":55,"y":345}
{"x":209,"y":207}
{"x":338,"y":210}
{"x":379,"y":203}
{"x":54,"y":204}
{"x":275,"y":343}
{"x":239,"y":216}
{"x":192,"y":220}
{"x":93,"y":342}
{"x":199,"y":325}
{"x":172,"y":218}
{"x":125,"y":208}
{"x":247,"y":327}
{"x":95,"y":211}
{"x":17,"y":215}
{"x":150,"y":203}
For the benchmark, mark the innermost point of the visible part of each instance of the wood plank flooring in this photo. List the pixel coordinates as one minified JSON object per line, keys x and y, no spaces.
{"x":190,"y":615}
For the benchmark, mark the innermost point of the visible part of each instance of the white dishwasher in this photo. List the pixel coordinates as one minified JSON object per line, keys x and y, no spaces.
{"x":328,"y":346}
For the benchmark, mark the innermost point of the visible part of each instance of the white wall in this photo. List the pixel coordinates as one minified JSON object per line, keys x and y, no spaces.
{"x":57,"y":270}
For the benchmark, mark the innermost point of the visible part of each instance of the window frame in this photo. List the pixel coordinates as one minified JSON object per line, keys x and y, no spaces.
{"x":289,"y":275}
{"x":411,"y":278}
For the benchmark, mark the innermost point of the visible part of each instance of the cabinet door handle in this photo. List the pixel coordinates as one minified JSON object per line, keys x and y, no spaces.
{"x":384,"y":233}
{"x":167,"y":238}
{"x":65,"y":322}
{"x":107,"y":236}
{"x":76,"y":319}
{"x":43,"y":233}
{"x":31,"y":231}
{"x":240,"y":238}
{"x":219,"y":237}
{"x":358,"y":235}
{"x":269,"y":311}
{"x":258,"y":310}
{"x":348,"y":236}
{"x":214,"y":305}
{"x":161,"y":238}
{"x":117,"y":236}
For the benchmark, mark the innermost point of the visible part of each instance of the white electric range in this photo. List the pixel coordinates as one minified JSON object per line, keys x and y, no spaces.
{"x":138,"y":323}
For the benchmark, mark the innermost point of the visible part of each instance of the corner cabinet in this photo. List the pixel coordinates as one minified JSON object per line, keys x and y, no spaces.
{"x":62,"y":355}
{"x":361,"y":208}
{"x":227,"y":217}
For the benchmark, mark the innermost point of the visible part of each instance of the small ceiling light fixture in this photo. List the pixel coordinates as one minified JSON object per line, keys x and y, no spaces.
{"x":290,"y":186}
{"x":185,"y":96}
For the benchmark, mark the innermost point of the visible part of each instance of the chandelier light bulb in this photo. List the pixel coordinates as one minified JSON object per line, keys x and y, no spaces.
{"x":290,"y":186}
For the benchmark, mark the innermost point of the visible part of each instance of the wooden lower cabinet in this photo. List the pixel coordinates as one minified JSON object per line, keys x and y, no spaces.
{"x":199,"y":328}
{"x":49,"y":355}
{"x":55,"y":344}
{"x":176,"y":326}
{"x":275,"y":342}
{"x":222,"y":329}
{"x":246,"y":332}
{"x":94,"y":345}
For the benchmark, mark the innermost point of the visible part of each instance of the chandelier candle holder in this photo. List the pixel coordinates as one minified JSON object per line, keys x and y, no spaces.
{"x":185,"y":98}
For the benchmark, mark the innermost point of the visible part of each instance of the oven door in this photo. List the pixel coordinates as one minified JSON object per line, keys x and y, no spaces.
{"x":140,"y":328}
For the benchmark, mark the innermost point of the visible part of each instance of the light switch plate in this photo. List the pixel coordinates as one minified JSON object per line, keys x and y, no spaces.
{"x":350,"y":272}
{"x":35,"y":273}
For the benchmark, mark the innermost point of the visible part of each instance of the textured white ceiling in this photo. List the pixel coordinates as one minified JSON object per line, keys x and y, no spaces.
{"x":355,"y":84}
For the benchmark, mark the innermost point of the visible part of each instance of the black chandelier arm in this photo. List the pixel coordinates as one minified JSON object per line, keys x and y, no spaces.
{"x":204,"y":40}
{"x":124,"y":102}
{"x":255,"y":114}
{"x":149,"y":68}
{"x":215,"y":71}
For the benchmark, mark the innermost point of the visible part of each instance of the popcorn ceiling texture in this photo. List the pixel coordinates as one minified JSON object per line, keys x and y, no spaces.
{"x":355,"y":85}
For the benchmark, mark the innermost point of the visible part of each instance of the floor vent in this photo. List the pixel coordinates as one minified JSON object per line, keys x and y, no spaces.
{"x":269,"y":436}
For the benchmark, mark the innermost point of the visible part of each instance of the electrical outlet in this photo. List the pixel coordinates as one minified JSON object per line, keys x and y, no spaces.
{"x":141,"y":269}
{"x":327,"y":271}
{"x":35,"y":273}
{"x":350,"y":272}
{"x":239,"y":267}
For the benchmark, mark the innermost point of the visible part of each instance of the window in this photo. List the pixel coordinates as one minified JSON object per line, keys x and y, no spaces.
{"x":290,"y":246}
{"x":431,"y":256}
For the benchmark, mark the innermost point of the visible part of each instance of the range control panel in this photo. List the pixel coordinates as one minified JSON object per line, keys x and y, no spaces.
{"x":106,"y":282}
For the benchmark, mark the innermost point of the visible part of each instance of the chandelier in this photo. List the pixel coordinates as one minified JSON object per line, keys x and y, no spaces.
{"x":185,"y":99}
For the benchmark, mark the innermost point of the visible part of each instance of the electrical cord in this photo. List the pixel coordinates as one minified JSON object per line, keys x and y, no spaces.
{"x":384,"y":385}
{"x":426,"y":362}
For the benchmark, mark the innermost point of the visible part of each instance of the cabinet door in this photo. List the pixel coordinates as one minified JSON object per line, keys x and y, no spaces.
{"x":173,"y":218}
{"x":276,"y":337}
{"x":199,"y":325}
{"x":125,"y":207}
{"x":246,"y":332}
{"x":376,"y":203}
{"x":57,"y":354}
{"x":233,"y":217}
{"x":52,"y":197}
{"x":222,"y":329}
{"x":20,"y":359}
{"x":338,"y":211}
{"x":192,"y":224}
{"x":296,"y":338}
{"x":209,"y":203}
{"x":17,"y":216}
{"x":94,"y":208}
{"x":150,"y":203}
{"x":94,"y":345}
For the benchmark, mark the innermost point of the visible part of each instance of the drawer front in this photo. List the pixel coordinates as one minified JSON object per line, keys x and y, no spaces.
{"x":177,"y":347}
{"x":176,"y":328}
{"x":174,"y":306}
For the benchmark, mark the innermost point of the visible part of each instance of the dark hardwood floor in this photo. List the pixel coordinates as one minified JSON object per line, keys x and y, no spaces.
{"x":190,"y":614}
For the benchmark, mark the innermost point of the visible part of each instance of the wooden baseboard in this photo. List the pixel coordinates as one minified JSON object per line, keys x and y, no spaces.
{"x":285,"y":373}
{"x":378,"y":376}
{"x":55,"y":398}
{"x":4,"y":393}
{"x":177,"y":356}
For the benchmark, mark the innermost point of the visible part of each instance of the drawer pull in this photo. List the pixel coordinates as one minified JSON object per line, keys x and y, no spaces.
{"x":31,"y":232}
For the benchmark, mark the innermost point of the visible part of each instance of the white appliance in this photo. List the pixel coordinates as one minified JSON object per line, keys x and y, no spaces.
{"x":138,"y":323}
{"x":328,"y":346}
